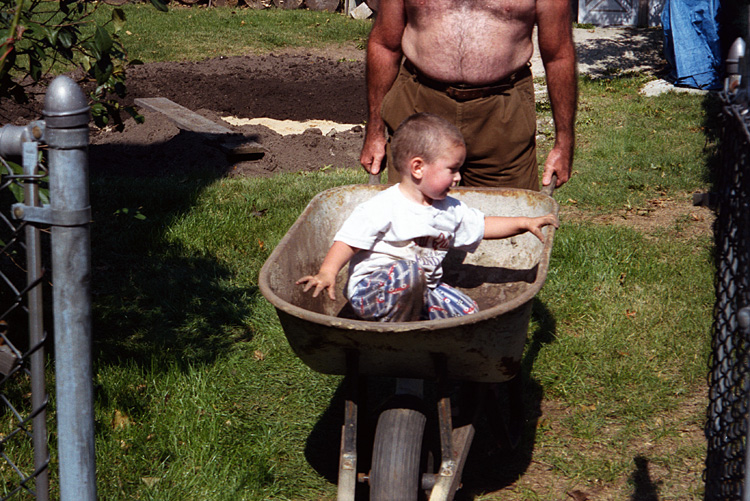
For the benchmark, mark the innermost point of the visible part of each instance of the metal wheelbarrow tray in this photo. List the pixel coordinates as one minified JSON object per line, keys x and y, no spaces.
{"x":502,"y":276}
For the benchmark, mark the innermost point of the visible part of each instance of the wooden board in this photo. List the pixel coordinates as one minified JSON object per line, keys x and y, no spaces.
{"x":183,"y":117}
{"x":228,"y":140}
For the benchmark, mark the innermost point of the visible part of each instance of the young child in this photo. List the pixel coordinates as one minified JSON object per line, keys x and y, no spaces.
{"x":396,"y":241}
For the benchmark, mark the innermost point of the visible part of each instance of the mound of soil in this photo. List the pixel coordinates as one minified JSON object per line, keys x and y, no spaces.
{"x":286,"y":86}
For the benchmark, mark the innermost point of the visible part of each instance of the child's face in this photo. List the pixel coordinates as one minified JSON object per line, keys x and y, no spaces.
{"x":440,"y":175}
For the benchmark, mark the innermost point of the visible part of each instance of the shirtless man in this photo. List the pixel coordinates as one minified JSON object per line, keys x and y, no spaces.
{"x":467,"y":60}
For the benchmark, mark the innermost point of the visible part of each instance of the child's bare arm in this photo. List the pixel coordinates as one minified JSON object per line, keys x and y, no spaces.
{"x":504,"y":227}
{"x":338,"y":255}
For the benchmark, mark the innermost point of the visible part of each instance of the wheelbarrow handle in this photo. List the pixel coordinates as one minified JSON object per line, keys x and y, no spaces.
{"x":374,"y":179}
{"x":550,"y":188}
{"x":547,"y":190}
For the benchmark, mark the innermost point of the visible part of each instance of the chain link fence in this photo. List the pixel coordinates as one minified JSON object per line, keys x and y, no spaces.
{"x":726,"y":473}
{"x":44,"y":218}
{"x":23,"y":397}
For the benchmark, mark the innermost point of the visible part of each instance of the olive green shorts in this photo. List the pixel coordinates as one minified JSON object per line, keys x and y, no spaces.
{"x":499,"y":130}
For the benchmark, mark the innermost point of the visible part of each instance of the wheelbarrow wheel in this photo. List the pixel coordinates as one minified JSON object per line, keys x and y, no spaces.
{"x":396,"y":457}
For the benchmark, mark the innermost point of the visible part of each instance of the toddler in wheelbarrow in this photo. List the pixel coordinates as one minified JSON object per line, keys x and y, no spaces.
{"x":395,"y":244}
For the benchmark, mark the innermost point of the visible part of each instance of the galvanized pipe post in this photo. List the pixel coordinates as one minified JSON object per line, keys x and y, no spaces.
{"x":36,"y":325}
{"x":66,"y":115}
{"x":22,"y":141}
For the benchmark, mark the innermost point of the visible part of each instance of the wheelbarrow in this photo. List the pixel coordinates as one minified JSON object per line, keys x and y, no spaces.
{"x":502,"y":276}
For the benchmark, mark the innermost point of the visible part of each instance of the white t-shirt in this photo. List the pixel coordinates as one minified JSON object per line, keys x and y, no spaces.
{"x":390,"y":227}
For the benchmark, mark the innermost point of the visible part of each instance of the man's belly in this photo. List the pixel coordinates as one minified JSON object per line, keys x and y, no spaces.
{"x":471,"y":51}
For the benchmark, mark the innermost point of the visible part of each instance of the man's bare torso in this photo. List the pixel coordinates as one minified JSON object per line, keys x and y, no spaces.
{"x":468,"y":41}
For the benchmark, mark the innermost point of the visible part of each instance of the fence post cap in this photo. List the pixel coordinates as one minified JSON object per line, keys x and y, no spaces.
{"x":65,"y":106}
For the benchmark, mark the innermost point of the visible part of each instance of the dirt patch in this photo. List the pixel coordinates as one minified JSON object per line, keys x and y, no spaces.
{"x":292,"y":85}
{"x":299,"y":84}
{"x":651,"y":470}
{"x":677,"y":217}
{"x":159,"y":147}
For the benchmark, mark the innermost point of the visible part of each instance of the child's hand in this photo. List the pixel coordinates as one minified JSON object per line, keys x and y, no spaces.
{"x":537,"y":223}
{"x":320,"y":281}
{"x":338,"y":255}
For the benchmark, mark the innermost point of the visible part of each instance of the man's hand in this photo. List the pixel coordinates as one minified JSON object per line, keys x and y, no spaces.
{"x":558,"y":162}
{"x":372,"y":157}
{"x":320,"y":281}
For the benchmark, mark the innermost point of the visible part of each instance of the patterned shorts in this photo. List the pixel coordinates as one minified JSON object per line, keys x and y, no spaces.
{"x":397,"y":293}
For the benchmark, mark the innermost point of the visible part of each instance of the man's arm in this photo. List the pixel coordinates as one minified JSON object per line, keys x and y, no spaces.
{"x":556,"y":47}
{"x":383,"y":60}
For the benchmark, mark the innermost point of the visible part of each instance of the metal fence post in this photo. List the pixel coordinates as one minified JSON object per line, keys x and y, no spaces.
{"x":727,"y":471}
{"x":36,"y":327}
{"x":66,"y":115}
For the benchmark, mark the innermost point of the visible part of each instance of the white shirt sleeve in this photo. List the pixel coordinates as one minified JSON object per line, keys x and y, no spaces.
{"x":470,"y":229}
{"x":363,"y":226}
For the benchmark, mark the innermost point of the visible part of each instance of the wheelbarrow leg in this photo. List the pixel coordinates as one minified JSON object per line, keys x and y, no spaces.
{"x":347,"y":482}
{"x":454,"y":447}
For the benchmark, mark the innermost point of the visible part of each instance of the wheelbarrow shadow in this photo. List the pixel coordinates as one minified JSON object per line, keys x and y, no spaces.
{"x":323,"y":443}
{"x":490,"y":466}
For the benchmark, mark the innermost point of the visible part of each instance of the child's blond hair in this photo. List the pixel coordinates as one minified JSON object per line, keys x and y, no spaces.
{"x":423,"y":135}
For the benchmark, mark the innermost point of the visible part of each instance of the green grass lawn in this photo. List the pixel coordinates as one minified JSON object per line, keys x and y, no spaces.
{"x":152,"y":36}
{"x":198,"y":395}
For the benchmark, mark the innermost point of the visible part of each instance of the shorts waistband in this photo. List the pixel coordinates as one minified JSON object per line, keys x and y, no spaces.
{"x":464,"y":92}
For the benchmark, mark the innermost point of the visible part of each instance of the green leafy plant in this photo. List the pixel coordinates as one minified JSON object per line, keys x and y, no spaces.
{"x":37,"y":36}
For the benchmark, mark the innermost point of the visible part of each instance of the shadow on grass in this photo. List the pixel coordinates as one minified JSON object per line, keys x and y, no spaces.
{"x":712,"y":123}
{"x":645,"y":488}
{"x":151,"y":303}
{"x":635,"y":49}
{"x":172,"y":311}
{"x":488,"y":467}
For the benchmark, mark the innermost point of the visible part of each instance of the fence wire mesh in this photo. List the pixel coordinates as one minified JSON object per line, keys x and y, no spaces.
{"x":729,"y":379}
{"x":24,"y":470}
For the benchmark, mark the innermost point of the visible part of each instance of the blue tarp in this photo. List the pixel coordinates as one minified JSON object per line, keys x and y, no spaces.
{"x":691,"y":42}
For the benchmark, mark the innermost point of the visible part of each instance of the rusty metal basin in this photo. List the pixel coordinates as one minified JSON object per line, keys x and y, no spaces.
{"x":502,"y":276}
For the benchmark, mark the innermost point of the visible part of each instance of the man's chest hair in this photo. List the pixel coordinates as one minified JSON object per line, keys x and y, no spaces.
{"x":500,"y":9}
